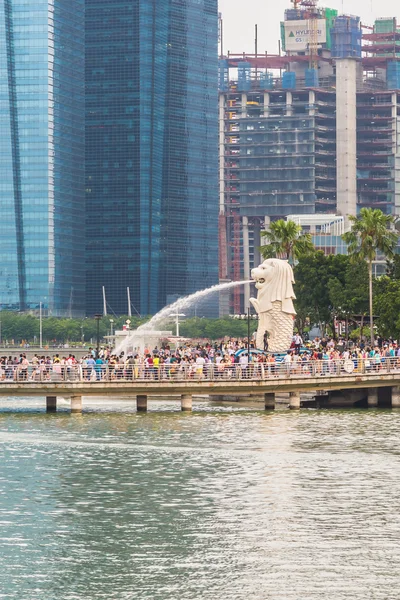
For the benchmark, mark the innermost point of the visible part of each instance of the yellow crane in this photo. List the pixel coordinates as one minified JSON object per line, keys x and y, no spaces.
{"x":310,"y":8}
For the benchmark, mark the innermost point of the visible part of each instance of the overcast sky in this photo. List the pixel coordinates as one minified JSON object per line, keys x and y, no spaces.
{"x":240,"y":16}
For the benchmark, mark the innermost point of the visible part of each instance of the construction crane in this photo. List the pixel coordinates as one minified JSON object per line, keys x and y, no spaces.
{"x":310,"y":11}
{"x":313,"y":27}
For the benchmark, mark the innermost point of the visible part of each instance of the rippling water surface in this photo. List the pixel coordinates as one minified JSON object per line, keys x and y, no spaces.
{"x":224,"y":503}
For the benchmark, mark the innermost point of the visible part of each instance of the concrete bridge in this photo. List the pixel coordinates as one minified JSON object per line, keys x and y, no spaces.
{"x":78,"y":382}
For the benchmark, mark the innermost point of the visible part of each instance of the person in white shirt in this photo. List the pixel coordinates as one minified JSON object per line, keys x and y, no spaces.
{"x":288,"y":359}
{"x":200,"y":362}
{"x":244,"y":363}
{"x":298,"y":342}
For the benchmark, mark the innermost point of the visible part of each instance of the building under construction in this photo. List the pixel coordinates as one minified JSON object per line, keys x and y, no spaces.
{"x":311,"y":131}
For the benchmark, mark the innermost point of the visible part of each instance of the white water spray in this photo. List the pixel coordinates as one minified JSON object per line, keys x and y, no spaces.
{"x":165,"y":313}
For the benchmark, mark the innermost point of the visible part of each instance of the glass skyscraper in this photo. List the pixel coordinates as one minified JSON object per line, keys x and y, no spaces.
{"x":42,"y":197}
{"x":151,"y":151}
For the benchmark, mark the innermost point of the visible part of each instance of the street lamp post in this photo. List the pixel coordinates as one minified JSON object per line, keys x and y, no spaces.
{"x":98,"y":317}
{"x":40,"y":326}
{"x":177,"y":315}
{"x":111,"y":327}
{"x":248,"y":333}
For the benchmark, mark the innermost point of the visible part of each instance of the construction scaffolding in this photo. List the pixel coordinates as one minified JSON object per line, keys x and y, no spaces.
{"x":346,"y":37}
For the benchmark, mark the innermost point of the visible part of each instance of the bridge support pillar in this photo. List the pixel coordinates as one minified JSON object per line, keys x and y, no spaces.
{"x":372,"y":397}
{"x":76,"y":404}
{"x":51,"y":403}
{"x":186,"y":402}
{"x":395,"y":397}
{"x":141,"y":403}
{"x":269,"y":401}
{"x":294,"y":400}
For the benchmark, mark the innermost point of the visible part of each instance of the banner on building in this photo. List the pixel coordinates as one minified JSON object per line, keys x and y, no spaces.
{"x":299,"y":35}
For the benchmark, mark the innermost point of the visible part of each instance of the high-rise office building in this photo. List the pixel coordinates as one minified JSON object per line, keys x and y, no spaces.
{"x":151,"y":151}
{"x":42,"y":156}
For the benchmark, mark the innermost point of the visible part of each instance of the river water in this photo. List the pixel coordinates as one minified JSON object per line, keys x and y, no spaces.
{"x":224,"y":503}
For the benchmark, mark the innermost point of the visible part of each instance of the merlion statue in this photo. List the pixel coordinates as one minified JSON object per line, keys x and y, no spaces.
{"x":274,"y":305}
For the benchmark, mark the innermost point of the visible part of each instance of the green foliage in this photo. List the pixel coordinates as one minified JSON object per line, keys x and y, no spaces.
{"x":312,"y":276}
{"x":369,"y":233}
{"x":215,"y":329}
{"x":349,"y":293}
{"x":387,"y":307}
{"x":25,"y":327}
{"x":285,"y":240}
{"x":393,"y":267}
{"x":329,"y":286}
{"x":356,"y":334}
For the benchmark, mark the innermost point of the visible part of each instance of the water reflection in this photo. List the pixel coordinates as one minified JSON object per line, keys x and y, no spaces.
{"x":230,"y":504}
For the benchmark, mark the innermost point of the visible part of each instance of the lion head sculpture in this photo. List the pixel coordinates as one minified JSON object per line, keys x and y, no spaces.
{"x":274,"y":281}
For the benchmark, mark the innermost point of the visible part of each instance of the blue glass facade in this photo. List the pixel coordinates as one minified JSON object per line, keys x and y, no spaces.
{"x":151,"y":151}
{"x":42,"y":155}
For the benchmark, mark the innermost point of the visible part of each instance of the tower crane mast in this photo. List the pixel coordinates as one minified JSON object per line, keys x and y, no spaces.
{"x":310,"y":9}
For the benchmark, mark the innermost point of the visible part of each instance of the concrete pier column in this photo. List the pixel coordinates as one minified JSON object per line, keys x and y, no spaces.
{"x":395,"y":397}
{"x":244,"y":106}
{"x":372,"y":397}
{"x":186,"y":402}
{"x":346,"y":138}
{"x":266,"y":104}
{"x":269,"y":401}
{"x":294,"y":400}
{"x":76,"y":404}
{"x":51,"y":403}
{"x":246,"y":260}
{"x":289,"y":104}
{"x":141,"y":403}
{"x":311,"y":103}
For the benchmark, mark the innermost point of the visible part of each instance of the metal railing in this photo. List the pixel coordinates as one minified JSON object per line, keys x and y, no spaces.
{"x":57,"y":373}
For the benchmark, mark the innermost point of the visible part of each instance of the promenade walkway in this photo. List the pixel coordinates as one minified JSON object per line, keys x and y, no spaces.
{"x":79,"y":381}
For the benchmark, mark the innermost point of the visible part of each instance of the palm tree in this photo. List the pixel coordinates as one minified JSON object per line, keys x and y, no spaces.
{"x":285,"y":240}
{"x":369,"y":233}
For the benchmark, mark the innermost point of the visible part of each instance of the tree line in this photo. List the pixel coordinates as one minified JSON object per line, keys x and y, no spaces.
{"x":16,"y":328}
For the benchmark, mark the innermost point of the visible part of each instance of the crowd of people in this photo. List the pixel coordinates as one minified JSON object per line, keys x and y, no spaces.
{"x":230,"y":358}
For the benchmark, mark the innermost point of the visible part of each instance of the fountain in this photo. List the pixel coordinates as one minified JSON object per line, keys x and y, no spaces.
{"x":149,"y":334}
